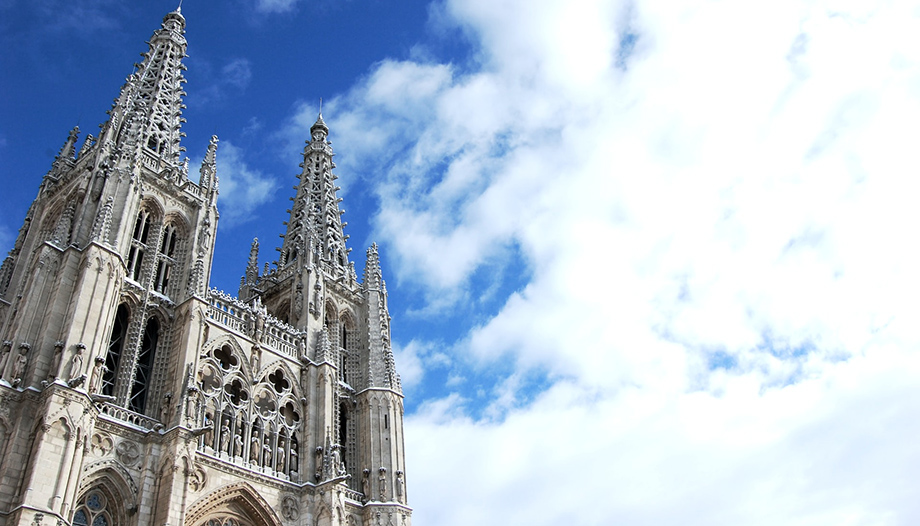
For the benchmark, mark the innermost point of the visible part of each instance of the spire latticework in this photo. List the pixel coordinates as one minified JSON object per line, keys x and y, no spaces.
{"x":315,"y":232}
{"x":148,"y":112}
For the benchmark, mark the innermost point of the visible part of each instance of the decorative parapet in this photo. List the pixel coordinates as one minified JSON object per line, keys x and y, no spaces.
{"x":230,"y":312}
{"x":120,"y":414}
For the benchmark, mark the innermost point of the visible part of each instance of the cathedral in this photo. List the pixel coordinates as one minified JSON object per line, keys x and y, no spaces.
{"x":133,"y":394}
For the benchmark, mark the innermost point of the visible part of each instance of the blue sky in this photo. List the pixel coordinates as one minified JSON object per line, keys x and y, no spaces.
{"x":649,"y":262}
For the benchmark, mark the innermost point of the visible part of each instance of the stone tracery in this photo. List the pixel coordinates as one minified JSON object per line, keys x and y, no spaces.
{"x":254,"y":421}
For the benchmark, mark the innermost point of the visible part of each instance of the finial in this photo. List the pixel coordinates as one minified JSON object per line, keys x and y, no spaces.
{"x":179,"y":9}
{"x":320,"y":106}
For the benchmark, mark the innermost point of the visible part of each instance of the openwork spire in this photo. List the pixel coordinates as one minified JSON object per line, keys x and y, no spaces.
{"x":148,"y":113}
{"x":315,"y":233}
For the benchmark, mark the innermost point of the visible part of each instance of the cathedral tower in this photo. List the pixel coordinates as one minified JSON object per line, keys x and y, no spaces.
{"x":131,"y":393}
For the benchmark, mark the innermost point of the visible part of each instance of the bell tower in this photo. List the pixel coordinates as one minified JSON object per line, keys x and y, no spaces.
{"x":345,"y":334}
{"x":131,"y":393}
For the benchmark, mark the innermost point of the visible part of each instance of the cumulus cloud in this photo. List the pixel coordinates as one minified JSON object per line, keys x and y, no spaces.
{"x":714,"y":208}
{"x":242,"y":188}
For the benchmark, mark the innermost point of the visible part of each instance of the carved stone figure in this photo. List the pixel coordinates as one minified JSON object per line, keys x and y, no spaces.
{"x":382,"y":484}
{"x":398,"y":486}
{"x":293,"y":468}
{"x":56,"y":361}
{"x":237,"y":446}
{"x":366,"y":484}
{"x":76,"y":362}
{"x":266,"y":455}
{"x":318,"y":458}
{"x":191,"y":402}
{"x":254,"y":449}
{"x":225,"y":437}
{"x":279,"y":456}
{"x":165,"y":408}
{"x":95,"y":381}
{"x":209,"y":430}
{"x":19,"y":366}
{"x":337,"y":468}
{"x":5,"y":357}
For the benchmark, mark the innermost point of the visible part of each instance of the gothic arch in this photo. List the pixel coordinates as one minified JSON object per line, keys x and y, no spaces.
{"x":153,"y":206}
{"x":101,"y":503}
{"x":289,"y":375}
{"x":179,"y":220}
{"x":332,"y":312}
{"x":237,"y":500}
{"x":117,"y":481}
{"x":323,"y":516}
{"x":225,"y":340}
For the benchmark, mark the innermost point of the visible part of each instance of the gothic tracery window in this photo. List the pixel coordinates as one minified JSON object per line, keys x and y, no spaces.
{"x":144,"y":367}
{"x":255,"y":424}
{"x":166,"y":258}
{"x":139,"y":240}
{"x":93,"y":510}
{"x":116,"y":346}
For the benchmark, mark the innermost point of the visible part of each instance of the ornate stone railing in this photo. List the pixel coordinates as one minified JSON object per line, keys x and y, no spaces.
{"x":150,"y":161}
{"x":228,"y":311}
{"x":126,"y":415}
{"x":356,"y":496}
{"x":280,"y":336}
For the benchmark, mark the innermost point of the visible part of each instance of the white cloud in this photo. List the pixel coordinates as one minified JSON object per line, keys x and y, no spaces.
{"x":275,"y":6}
{"x":237,"y":73}
{"x":720,"y":242}
{"x":242,"y":189}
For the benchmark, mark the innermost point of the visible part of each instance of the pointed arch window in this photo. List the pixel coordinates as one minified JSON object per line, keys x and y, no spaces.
{"x":139,"y":245}
{"x":116,"y":346}
{"x":144,"y":367}
{"x":93,"y":510}
{"x":166,"y":258}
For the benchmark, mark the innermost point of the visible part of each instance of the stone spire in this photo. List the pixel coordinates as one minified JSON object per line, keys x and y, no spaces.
{"x":208,"y":173}
{"x":381,"y":362}
{"x":148,"y":112}
{"x":252,"y":268}
{"x":315,"y":234}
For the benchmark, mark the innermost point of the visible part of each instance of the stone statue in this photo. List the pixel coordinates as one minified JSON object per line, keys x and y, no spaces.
{"x":318,"y":454}
{"x":398,"y":486}
{"x":337,"y":468}
{"x":191,"y":400}
{"x":76,"y":363}
{"x":237,"y":446}
{"x":209,"y":434}
{"x":254,"y":449}
{"x":279,"y":456}
{"x":19,"y":366}
{"x":5,"y":357}
{"x":382,"y":484}
{"x":164,"y":408}
{"x":294,"y":468}
{"x":366,"y":484}
{"x":56,"y":361}
{"x":266,"y":455}
{"x":95,"y":381}
{"x":225,"y":437}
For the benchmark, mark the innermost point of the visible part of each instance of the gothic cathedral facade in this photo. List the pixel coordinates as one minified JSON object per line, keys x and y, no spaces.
{"x":132,"y":394}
